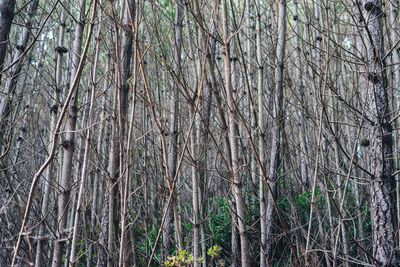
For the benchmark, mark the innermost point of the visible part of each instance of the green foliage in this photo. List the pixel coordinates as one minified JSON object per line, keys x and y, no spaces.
{"x":303,"y":200}
{"x":149,"y":239}
{"x":183,"y":258}
{"x":188,"y":227}
{"x":168,"y":9}
{"x":302,"y":203}
{"x":166,"y":3}
{"x":283,"y":203}
{"x":214,"y":251}
{"x":220,"y":222}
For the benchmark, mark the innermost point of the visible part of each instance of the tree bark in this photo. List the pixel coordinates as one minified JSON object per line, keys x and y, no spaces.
{"x":233,"y":142}
{"x":98,"y":188}
{"x":130,"y":34}
{"x":173,"y":138}
{"x":6,"y":19}
{"x":73,"y":259}
{"x":394,"y":35}
{"x":303,"y":153}
{"x":68,"y":147}
{"x":277,"y":127}
{"x":379,"y":131}
{"x":51,"y":169}
{"x":261,"y":141}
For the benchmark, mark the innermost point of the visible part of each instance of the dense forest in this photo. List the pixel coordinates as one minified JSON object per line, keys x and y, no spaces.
{"x":199,"y":133}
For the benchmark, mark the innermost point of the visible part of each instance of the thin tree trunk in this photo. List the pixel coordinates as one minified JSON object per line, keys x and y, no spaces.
{"x":194,"y":151}
{"x":203,"y":166}
{"x":97,"y":187}
{"x":173,"y":136}
{"x":261,"y":142}
{"x":235,"y":240}
{"x":250,"y":54}
{"x":278,"y":125}
{"x":125,"y":198}
{"x":313,"y":205}
{"x":394,"y":36}
{"x":109,"y":220}
{"x":203,"y":135}
{"x":130,"y":22}
{"x":104,"y":186}
{"x":303,"y":153}
{"x":51,"y":170}
{"x":68,"y":147}
{"x":233,"y":142}
{"x":6,"y":19}
{"x":195,"y":197}
{"x":117,"y":153}
{"x":86,"y":156}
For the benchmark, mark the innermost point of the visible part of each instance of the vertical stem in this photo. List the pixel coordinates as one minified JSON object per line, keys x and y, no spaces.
{"x":51,"y":170}
{"x":233,"y":141}
{"x":88,"y":134}
{"x":261,"y":136}
{"x":394,"y":36}
{"x":69,"y":145}
{"x":304,"y":173}
{"x":274,"y":167}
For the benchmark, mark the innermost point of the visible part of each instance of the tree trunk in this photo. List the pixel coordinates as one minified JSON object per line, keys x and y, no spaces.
{"x":233,"y":142}
{"x":97,"y":188}
{"x":261,"y":141}
{"x":379,"y":131}
{"x":13,"y":75}
{"x":203,"y":132}
{"x":173,"y":137}
{"x":277,"y":127}
{"x":394,"y":16}
{"x":86,"y":155}
{"x":130,"y":24}
{"x":51,"y":169}
{"x":303,"y":153}
{"x":6,"y":19}
{"x":68,"y":147}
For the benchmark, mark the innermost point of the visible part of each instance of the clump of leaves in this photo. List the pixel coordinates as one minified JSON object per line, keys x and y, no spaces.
{"x":214,"y":251}
{"x":184,"y":258}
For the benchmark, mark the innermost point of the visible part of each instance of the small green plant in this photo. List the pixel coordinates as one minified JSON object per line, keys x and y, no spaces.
{"x":214,"y":251}
{"x":184,"y":258}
